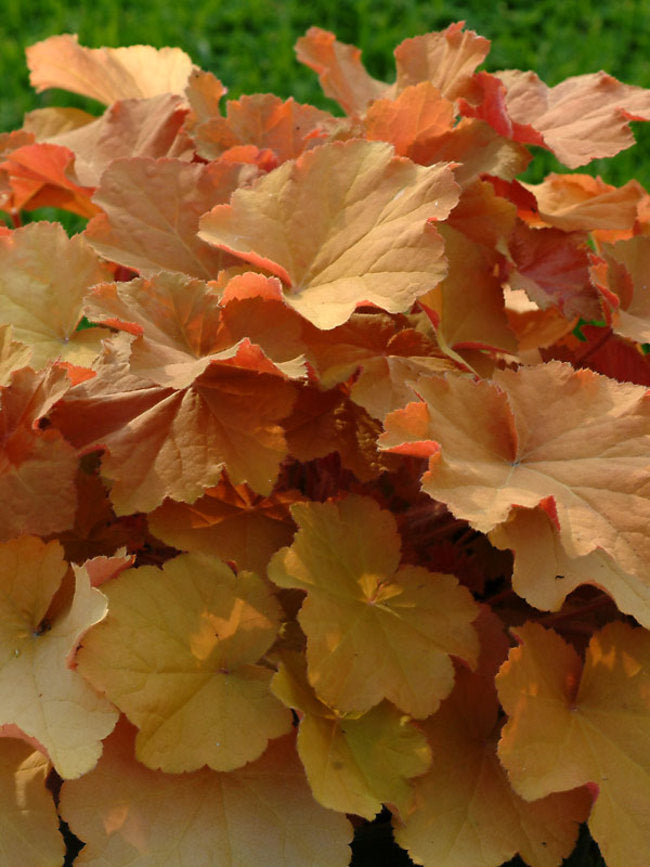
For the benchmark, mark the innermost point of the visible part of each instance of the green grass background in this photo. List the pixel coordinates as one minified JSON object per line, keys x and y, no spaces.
{"x":248,"y":44}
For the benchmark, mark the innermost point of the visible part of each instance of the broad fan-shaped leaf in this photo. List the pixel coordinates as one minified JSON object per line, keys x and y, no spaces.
{"x":357,"y":763}
{"x":580,"y":119}
{"x":494,"y":445}
{"x":163,"y":442}
{"x":465,"y":810}
{"x":151,"y":214}
{"x":44,"y":303}
{"x":573,"y":724}
{"x":107,"y":74}
{"x":40,"y":692}
{"x":374,"y":630}
{"x":29,"y":825}
{"x":178,"y":655}
{"x":371,"y":236}
{"x":131,"y":816}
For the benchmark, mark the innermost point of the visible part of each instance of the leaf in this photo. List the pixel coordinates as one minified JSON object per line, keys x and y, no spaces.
{"x":573,"y":724}
{"x":106,"y":74}
{"x":374,"y":630}
{"x":228,"y":521}
{"x":544,"y":574}
{"x":353,"y":764}
{"x":179,"y":656}
{"x":29,"y":825}
{"x":583,"y":118}
{"x":465,"y":810}
{"x":37,"y":467}
{"x":166,"y":442}
{"x":130,"y":816}
{"x":14,"y":355}
{"x":628,"y":262}
{"x":494,"y":445}
{"x":447,"y":59}
{"x":151,"y":214}
{"x":340,"y":71}
{"x":44,"y":304}
{"x":371,"y":237}
{"x":41,"y":693}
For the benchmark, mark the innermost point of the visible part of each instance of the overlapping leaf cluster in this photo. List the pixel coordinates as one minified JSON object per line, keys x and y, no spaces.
{"x":324,"y":481}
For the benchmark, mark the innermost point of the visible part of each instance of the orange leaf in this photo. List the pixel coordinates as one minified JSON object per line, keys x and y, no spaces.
{"x":371,"y":237}
{"x":374,"y":630}
{"x":495,"y":444}
{"x":41,"y":693}
{"x":261,"y":813}
{"x":178,"y":654}
{"x":107,"y":74}
{"x":573,"y":724}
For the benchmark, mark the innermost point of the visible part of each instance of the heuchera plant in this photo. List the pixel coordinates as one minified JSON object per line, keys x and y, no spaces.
{"x":324,"y":483}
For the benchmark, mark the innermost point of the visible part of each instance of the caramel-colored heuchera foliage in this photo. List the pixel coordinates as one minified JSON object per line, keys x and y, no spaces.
{"x":324,"y":466}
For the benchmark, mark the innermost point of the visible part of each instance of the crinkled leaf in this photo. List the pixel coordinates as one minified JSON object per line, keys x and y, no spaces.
{"x":494,"y":445}
{"x":130,"y":816}
{"x":572,"y":724}
{"x":44,"y":303}
{"x":371,"y":237}
{"x":628,"y":262}
{"x":107,"y":74}
{"x":583,"y":118}
{"x":42,"y":694}
{"x":151,"y":214}
{"x":374,"y":630}
{"x":178,"y":655}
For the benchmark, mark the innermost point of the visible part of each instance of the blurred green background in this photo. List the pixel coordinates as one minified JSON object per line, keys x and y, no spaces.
{"x":248,"y":44}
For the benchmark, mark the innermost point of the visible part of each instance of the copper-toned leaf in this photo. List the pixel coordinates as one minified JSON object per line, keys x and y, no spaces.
{"x":262,"y":813}
{"x":496,"y":445}
{"x":374,"y":630}
{"x":573,"y":724}
{"x":178,"y":654}
{"x":107,"y":74}
{"x":371,"y":237}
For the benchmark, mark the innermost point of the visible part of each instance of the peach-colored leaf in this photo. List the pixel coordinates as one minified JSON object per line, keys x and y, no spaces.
{"x":29,"y":825}
{"x":420,"y":113}
{"x":466,"y":811}
{"x":229,"y":521}
{"x":341,"y":73}
{"x":354,"y":764}
{"x":572,"y":724}
{"x":44,"y":303}
{"x":42,"y":694}
{"x":13,"y":354}
{"x":628,"y":262}
{"x":107,"y":74}
{"x":37,"y":467}
{"x":544,"y":574}
{"x":583,"y":118}
{"x":178,"y":655}
{"x":262,"y":813}
{"x":447,"y":59}
{"x":577,"y":203}
{"x":374,"y":629}
{"x":493,"y":445}
{"x":151,"y":214}
{"x":371,"y":237}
